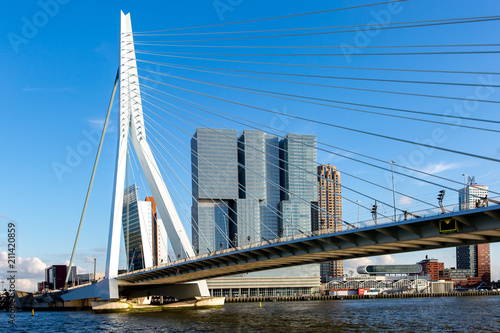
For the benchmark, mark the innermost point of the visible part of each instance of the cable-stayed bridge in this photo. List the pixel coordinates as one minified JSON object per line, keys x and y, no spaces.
{"x":151,"y":109}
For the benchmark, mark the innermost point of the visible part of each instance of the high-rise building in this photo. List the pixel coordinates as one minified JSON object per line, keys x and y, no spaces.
{"x":214,"y":166}
{"x":240,"y":186}
{"x":144,"y":233}
{"x":471,"y":196}
{"x":474,"y":258}
{"x":328,"y":214}
{"x":298,"y":181}
{"x":259,"y":192}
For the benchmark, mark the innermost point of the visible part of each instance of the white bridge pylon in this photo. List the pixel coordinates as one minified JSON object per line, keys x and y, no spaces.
{"x":132,"y":121}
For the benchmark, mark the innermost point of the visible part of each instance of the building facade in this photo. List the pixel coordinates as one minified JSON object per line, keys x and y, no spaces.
{"x":214,"y":170}
{"x":432,"y":268}
{"x":328,"y":214}
{"x":297,"y":156}
{"x":55,"y":276}
{"x":471,"y":196}
{"x":386,"y":279}
{"x":144,"y":234}
{"x":241,"y":195}
{"x":473,"y":261}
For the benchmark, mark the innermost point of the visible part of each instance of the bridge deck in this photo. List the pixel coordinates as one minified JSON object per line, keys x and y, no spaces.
{"x":476,"y":226}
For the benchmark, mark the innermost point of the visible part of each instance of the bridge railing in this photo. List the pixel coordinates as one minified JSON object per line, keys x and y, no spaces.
{"x":354,"y":226}
{"x":430,"y":212}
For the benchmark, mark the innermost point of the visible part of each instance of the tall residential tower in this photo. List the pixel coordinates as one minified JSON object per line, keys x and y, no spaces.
{"x":328,"y":214}
{"x":475,"y":258}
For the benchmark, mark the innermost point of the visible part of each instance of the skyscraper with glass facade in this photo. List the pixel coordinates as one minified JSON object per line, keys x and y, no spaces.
{"x":144,"y":234}
{"x":259,"y":195}
{"x":299,"y":182}
{"x":214,"y":169}
{"x":252,"y":199}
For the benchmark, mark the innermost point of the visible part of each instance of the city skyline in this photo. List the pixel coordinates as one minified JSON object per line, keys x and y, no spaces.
{"x":58,"y":78}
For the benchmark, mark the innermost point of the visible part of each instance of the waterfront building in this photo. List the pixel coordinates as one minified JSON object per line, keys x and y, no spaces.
{"x":433,"y":268}
{"x":386,"y":279}
{"x":55,"y":276}
{"x":241,"y":188}
{"x":144,"y":234}
{"x":328,"y":214}
{"x":472,"y":259}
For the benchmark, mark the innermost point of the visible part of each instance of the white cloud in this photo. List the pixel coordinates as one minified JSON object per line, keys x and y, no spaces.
{"x":26,"y":285}
{"x":89,"y":260}
{"x":96,"y":123}
{"x":99,"y":124}
{"x":404,"y":201}
{"x":435,"y":168}
{"x":25,"y":267}
{"x":353,"y":264}
{"x":33,"y":266}
{"x":30,"y":270}
{"x":385,"y":260}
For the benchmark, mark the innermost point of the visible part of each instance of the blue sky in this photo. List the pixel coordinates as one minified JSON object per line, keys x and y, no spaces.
{"x":59,"y":59}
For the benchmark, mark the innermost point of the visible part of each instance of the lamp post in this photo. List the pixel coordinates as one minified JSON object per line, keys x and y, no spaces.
{"x":393,"y":188}
{"x":359,"y":202}
{"x":465,"y":205}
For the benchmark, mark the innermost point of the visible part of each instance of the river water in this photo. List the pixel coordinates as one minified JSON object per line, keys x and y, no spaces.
{"x":443,"y":314}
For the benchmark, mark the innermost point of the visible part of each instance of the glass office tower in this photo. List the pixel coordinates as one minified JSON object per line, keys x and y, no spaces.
{"x":298,"y":178}
{"x":214,"y":166}
{"x":258,"y":174}
{"x":244,"y":206}
{"x":137,"y":223}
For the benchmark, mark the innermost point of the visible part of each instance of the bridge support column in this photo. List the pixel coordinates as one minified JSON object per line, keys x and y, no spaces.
{"x":132,"y":128}
{"x":179,"y":291}
{"x":106,"y":289}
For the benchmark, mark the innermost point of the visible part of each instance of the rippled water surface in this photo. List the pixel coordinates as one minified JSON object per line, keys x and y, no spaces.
{"x":447,"y":314}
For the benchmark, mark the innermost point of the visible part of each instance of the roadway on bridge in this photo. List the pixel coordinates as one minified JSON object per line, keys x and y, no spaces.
{"x":476,"y":226}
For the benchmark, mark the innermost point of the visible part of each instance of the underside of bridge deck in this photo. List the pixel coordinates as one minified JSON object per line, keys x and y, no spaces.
{"x":474,"y":227}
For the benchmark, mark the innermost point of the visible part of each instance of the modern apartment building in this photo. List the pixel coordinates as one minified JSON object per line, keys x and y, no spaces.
{"x":328,"y":214}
